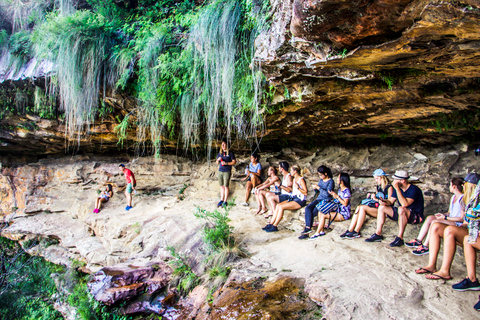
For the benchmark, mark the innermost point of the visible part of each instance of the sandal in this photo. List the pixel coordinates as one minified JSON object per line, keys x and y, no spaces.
{"x":434,"y":276}
{"x":258,"y":211}
{"x":423,"y":271}
{"x":264,"y":211}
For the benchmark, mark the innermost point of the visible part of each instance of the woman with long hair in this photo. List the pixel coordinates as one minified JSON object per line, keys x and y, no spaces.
{"x":342,"y":212}
{"x":384,"y":190}
{"x":452,"y":236}
{"x":324,"y":187}
{"x":225,"y":160}
{"x":453,"y":217}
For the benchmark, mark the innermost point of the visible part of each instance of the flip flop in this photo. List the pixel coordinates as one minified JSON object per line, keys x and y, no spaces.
{"x":422,"y":271}
{"x":264,"y":211}
{"x":434,"y":276}
{"x":259,"y":211}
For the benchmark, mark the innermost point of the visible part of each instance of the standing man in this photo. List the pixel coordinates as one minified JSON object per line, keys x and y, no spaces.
{"x":131,"y":184}
{"x":410,"y":198}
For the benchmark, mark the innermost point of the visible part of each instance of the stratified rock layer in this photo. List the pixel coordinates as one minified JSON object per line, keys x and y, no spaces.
{"x":362,"y":71}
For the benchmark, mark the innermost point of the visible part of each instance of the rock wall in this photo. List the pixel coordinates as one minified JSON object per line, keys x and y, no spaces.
{"x":54,"y":199}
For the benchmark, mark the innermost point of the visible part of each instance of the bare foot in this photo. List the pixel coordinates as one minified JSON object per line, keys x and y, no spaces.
{"x":424,"y":270}
{"x":438,"y":276}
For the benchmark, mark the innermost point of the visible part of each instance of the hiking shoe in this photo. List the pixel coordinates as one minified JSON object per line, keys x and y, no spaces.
{"x":344,"y":235}
{"x":267,"y":226}
{"x":398,"y":242}
{"x":272,"y":229}
{"x":303,"y":236}
{"x":466,"y":284}
{"x":477,"y":305}
{"x":420,"y":251}
{"x":306,"y":230}
{"x":316,"y":236}
{"x":374,"y":238}
{"x":245,"y":204}
{"x":354,"y":235}
{"x":413,"y":243}
{"x":220,"y":203}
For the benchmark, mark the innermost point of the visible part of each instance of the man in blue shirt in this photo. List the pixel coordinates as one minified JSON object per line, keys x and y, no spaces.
{"x":410,"y":198}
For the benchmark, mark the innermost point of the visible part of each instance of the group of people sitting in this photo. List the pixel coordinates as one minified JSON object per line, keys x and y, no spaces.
{"x":290,"y":193}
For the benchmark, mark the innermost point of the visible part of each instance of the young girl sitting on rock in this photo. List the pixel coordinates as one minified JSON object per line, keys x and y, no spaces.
{"x":262,"y":190}
{"x":342,"y":211}
{"x":104,"y":197}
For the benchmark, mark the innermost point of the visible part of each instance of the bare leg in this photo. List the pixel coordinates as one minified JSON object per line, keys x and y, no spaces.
{"x":222,"y":192}
{"x":248,"y":188}
{"x":436,"y":235}
{"x":442,"y":221}
{"x":272,"y":200}
{"x":129,"y":199}
{"x":451,"y":237}
{"x":353,"y":223}
{"x":470,"y":251}
{"x":403,"y":215}
{"x":255,"y":181}
{"x":321,"y":222}
{"x":362,"y":214}
{"x":425,"y":227}
{"x":383,"y":211}
{"x":225,"y":195}
{"x":285,"y":205}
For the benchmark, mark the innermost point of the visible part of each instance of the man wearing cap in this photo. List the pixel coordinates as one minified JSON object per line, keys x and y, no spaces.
{"x":410,"y":198}
{"x":131,"y":184}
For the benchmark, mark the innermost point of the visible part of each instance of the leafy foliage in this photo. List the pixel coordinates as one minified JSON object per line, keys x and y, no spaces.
{"x":26,"y":288}
{"x":185,"y":278}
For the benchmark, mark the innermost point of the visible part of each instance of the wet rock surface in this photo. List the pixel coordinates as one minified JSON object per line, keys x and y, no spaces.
{"x":245,"y":296}
{"x":125,"y":281}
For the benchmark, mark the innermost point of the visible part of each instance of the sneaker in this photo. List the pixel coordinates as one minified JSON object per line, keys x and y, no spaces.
{"x":306,"y":230}
{"x":413,"y":243}
{"x":220,"y":203}
{"x":95,"y":210}
{"x":354,"y":235}
{"x":374,"y":238}
{"x":128,"y":208}
{"x":272,"y":229}
{"x":477,"y":305}
{"x":244,"y":204}
{"x":303,"y":236}
{"x":398,"y":242}
{"x":316,"y":236}
{"x":267,"y":226}
{"x":224,"y":204}
{"x":344,"y":235}
{"x":466,"y":284}
{"x":420,"y":251}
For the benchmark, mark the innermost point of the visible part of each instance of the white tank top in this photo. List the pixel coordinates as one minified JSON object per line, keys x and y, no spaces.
{"x":284,"y":183}
{"x":456,"y":207}
{"x":296,"y":192}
